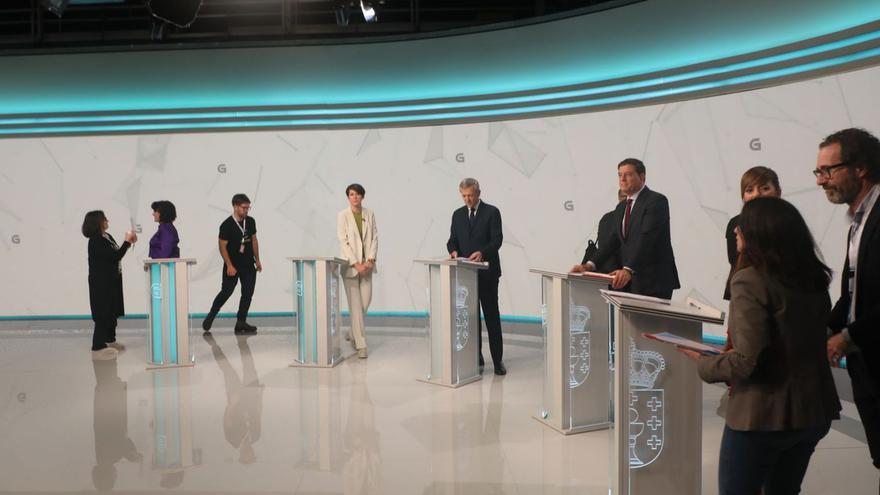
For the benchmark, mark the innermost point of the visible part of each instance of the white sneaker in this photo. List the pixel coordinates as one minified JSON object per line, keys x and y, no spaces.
{"x":105,"y":354}
{"x":116,"y":345}
{"x":362,"y":353}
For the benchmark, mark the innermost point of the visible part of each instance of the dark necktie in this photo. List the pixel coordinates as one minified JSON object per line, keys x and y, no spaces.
{"x":471,"y":217}
{"x":626,"y":215}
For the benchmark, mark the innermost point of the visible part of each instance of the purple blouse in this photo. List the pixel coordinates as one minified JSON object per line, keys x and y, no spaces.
{"x":164,"y":242}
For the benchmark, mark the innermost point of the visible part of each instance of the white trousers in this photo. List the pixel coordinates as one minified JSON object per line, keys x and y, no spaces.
{"x":359,"y":291}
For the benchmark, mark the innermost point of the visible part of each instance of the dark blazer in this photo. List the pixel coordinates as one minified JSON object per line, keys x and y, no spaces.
{"x":605,"y":236}
{"x":485,"y":236}
{"x":778,"y":371}
{"x":648,"y":248}
{"x":732,"y":255}
{"x":105,"y":280}
{"x":865,"y":329}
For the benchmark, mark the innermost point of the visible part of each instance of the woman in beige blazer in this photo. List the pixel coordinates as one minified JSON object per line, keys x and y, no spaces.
{"x":782,"y":396}
{"x":359,"y":243}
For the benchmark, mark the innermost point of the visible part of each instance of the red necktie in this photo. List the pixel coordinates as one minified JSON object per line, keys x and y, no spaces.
{"x":629,"y":207}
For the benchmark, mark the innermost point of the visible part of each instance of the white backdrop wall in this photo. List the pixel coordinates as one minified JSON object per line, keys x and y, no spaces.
{"x":552,"y":178}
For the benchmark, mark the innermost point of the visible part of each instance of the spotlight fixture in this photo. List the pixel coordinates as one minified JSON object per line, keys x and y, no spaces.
{"x":369,"y":12}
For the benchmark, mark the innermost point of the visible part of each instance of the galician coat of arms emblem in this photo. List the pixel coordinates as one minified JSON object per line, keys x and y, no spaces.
{"x":646,"y":407}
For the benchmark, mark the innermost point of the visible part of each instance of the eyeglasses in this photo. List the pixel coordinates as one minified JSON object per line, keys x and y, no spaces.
{"x":826,"y":171}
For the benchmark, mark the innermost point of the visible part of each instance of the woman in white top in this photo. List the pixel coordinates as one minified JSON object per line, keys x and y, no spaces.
{"x":359,"y":243}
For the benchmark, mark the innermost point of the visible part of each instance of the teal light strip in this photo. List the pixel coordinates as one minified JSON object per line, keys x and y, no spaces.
{"x":314,"y":311}
{"x":174,"y":450}
{"x":317,"y":112}
{"x":156,"y":313}
{"x":172,"y":312}
{"x":160,"y":436}
{"x":453,"y":116}
{"x":300,"y":310}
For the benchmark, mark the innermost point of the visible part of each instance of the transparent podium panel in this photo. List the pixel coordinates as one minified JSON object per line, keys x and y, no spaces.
{"x":317,"y":334}
{"x":577,"y":377}
{"x":453,"y":322}
{"x":169,"y":335}
{"x":658,"y":448}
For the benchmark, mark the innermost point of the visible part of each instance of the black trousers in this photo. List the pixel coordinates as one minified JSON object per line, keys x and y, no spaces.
{"x":248,"y":282}
{"x":487,"y":292}
{"x":867,"y":398}
{"x":105,"y":332}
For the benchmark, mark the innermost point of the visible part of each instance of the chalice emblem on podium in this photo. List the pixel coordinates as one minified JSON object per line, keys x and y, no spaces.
{"x":462,"y":321}
{"x":646,"y":406}
{"x":579,"y":345}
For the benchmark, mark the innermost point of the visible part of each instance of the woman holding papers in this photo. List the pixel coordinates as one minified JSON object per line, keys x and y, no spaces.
{"x":105,"y":283}
{"x":782,"y":396}
{"x":359,"y":243}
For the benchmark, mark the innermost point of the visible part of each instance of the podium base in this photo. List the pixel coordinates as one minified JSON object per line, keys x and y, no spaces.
{"x":297,"y":364}
{"x":574,"y":431}
{"x":451,"y":385}
{"x":151,"y":367}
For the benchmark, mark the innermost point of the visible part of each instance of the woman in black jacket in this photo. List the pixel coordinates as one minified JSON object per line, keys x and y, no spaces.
{"x":756,"y":182}
{"x":105,"y":283}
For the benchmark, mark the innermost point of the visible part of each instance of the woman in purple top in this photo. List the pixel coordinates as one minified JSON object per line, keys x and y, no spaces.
{"x":164,"y":243}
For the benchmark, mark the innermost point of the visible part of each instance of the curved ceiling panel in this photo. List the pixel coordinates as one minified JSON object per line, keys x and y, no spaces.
{"x":641,"y":53}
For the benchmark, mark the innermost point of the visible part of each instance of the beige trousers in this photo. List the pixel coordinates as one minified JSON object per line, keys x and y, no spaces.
{"x":359,"y":291}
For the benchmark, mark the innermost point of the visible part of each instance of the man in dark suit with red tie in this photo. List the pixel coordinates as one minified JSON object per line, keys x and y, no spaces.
{"x":643,"y":241}
{"x":476,"y":235}
{"x":848,"y":169}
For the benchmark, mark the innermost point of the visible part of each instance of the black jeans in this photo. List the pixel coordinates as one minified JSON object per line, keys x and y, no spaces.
{"x":867,"y":399}
{"x":775,"y":461}
{"x":105,"y":332}
{"x":248,"y":282}
{"x":487,"y":290}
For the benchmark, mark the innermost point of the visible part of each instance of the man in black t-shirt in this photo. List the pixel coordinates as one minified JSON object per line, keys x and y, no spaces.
{"x":241,"y":261}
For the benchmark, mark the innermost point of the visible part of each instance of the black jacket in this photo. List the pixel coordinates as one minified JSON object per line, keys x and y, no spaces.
{"x":648,"y":248}
{"x":865,"y":329}
{"x":605,"y":236}
{"x":485,"y":235}
{"x":105,"y":279}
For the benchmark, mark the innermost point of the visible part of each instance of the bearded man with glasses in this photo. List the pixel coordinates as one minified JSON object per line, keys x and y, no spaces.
{"x":848,"y":169}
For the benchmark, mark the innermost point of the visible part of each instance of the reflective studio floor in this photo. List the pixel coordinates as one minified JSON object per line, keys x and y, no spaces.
{"x":242,"y":421}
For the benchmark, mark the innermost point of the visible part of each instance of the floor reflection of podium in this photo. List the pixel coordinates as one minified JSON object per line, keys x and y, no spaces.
{"x":657,"y":437}
{"x":173,"y":450}
{"x":321,"y":421}
{"x":453,"y":321}
{"x":575,"y":321}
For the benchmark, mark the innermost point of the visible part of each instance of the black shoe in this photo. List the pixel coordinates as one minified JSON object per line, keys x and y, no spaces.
{"x":208,"y":321}
{"x":482,"y":366}
{"x":244,"y":327}
{"x":500,"y":369}
{"x":481,"y":362}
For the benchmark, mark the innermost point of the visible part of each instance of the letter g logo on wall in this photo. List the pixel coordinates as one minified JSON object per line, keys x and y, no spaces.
{"x":221,"y":168}
{"x":459,"y":157}
{"x":755,"y":144}
{"x":16,"y":239}
{"x":568,"y":205}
